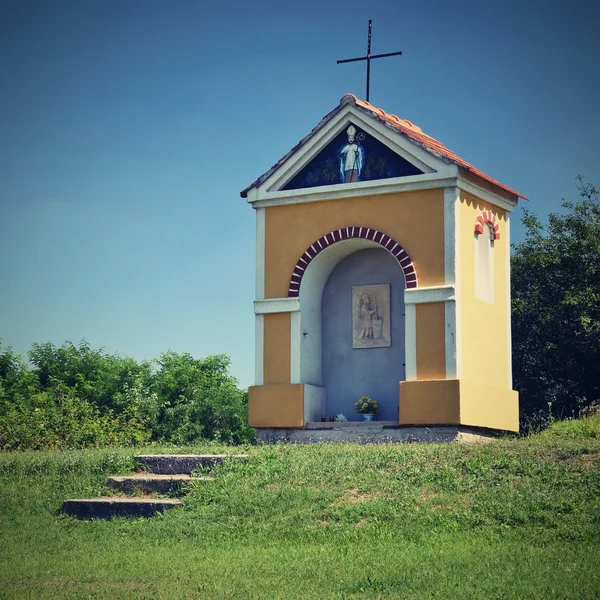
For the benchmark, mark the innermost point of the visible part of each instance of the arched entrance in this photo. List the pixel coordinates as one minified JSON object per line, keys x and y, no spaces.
{"x":350,"y":372}
{"x":308,"y":282}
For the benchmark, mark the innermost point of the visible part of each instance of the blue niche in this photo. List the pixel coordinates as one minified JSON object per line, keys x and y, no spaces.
{"x":352,"y":156}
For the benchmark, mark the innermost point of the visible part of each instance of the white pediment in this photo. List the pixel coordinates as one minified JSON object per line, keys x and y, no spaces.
{"x":270,"y":188}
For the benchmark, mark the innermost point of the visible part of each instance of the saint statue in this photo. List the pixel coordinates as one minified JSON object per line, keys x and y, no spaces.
{"x":351,"y":158}
{"x":368,"y":313}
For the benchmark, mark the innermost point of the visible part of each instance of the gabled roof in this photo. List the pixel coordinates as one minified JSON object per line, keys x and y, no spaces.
{"x":405,"y":128}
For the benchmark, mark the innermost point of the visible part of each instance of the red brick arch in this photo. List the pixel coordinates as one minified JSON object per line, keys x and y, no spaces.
{"x":347,"y":233}
{"x":487,"y":217}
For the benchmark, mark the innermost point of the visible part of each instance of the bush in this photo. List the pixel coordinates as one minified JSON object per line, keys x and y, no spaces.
{"x":199,"y":400}
{"x":556,"y":311}
{"x":75,"y":397}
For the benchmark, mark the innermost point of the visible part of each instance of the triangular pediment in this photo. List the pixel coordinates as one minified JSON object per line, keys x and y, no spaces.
{"x":320,"y":162}
{"x":352,"y":156}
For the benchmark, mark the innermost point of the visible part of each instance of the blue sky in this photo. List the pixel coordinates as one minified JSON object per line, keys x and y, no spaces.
{"x":128,"y":129}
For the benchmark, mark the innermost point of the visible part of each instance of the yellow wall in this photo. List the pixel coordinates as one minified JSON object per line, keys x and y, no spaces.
{"x":484,"y":326}
{"x":430,"y":402}
{"x":458,"y":402}
{"x":431,"y":348}
{"x":276,"y":405}
{"x":276,"y":348}
{"x":414,"y":219}
{"x":486,"y":406}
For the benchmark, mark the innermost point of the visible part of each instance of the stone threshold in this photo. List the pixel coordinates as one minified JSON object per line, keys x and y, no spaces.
{"x":373,"y":432}
{"x":350,"y":424}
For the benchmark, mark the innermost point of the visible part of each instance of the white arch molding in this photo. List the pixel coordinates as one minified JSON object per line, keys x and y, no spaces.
{"x":306,"y":331}
{"x":304,"y":305}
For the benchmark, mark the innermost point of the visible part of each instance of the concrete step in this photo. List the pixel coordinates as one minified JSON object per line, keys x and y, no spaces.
{"x":107,"y":508}
{"x":149,"y":483}
{"x":182,"y":464}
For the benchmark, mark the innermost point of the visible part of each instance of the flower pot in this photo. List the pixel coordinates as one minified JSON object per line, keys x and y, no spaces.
{"x":368,"y":417}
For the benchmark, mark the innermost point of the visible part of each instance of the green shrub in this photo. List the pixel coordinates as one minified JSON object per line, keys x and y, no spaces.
{"x":76,"y":397}
{"x":60,"y":419}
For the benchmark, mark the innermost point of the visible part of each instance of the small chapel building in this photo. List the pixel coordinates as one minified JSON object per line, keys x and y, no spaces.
{"x":382,"y":269}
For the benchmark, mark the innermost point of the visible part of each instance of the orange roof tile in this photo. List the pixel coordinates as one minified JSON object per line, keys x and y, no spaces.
{"x":404,"y":127}
{"x":427,"y":142}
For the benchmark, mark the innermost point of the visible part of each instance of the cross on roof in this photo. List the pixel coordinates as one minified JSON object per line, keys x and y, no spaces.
{"x":368,"y":58}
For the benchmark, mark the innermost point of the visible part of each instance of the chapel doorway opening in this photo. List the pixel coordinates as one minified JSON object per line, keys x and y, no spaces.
{"x":363,"y":333}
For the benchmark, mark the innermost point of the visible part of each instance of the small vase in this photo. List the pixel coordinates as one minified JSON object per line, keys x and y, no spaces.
{"x":368,"y":417}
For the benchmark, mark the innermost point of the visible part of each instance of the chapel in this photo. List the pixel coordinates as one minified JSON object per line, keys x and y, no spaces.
{"x":382,"y":270}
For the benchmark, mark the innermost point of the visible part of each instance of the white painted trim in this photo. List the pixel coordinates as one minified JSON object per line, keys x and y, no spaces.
{"x":311,"y":293}
{"x":486,"y":195}
{"x":450,"y":340}
{"x":411,"y":183}
{"x":484,"y":272}
{"x":295,"y":338}
{"x":451,"y":215}
{"x":276,"y":305}
{"x":410,"y":336}
{"x":458,"y":290}
{"x":422,"y":295}
{"x":259,"y":323}
{"x":505,"y":239}
{"x":260,"y":254}
{"x":259,"y":349}
{"x":314,"y":402}
{"x":451,"y":197}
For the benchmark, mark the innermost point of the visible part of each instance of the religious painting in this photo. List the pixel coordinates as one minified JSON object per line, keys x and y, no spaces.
{"x":371,"y":316}
{"x":352,"y":156}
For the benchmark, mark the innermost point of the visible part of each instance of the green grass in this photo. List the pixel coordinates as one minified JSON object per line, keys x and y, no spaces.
{"x":513,"y":518}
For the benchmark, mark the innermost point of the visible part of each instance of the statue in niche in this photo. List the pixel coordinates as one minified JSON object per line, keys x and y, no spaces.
{"x":369,"y":319}
{"x":371,"y":316}
{"x":351,"y":157}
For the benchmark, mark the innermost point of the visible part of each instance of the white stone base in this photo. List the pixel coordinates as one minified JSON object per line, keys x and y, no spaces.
{"x":373,"y":432}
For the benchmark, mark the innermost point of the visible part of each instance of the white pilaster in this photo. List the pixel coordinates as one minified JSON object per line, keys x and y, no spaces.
{"x":260,"y":254}
{"x":259,"y":349}
{"x":295,"y":341}
{"x":410,"y":332}
{"x":451,"y":278}
{"x":259,"y":322}
{"x":508,"y":305}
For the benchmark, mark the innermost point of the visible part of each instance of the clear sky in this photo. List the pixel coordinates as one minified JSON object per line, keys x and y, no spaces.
{"x":129,"y":127}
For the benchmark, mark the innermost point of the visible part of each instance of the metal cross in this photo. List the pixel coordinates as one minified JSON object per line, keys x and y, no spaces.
{"x":368,"y":58}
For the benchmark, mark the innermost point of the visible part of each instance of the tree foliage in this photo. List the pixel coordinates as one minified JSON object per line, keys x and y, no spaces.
{"x":74,"y":396}
{"x":556,"y":310}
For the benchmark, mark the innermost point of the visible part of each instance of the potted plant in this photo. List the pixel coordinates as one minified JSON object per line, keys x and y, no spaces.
{"x":367,"y":407}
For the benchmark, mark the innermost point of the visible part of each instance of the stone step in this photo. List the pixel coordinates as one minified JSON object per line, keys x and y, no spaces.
{"x":107,"y":508}
{"x":149,"y":483}
{"x":182,"y":464}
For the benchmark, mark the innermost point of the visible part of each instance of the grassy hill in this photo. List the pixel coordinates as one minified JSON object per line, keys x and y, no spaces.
{"x":514,"y":518}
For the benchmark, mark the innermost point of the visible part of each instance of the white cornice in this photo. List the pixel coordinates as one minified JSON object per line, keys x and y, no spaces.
{"x":412,"y":183}
{"x":479,"y":192}
{"x":451,"y":177}
{"x":364,"y":188}
{"x":276,"y":305}
{"x":423,"y":295}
